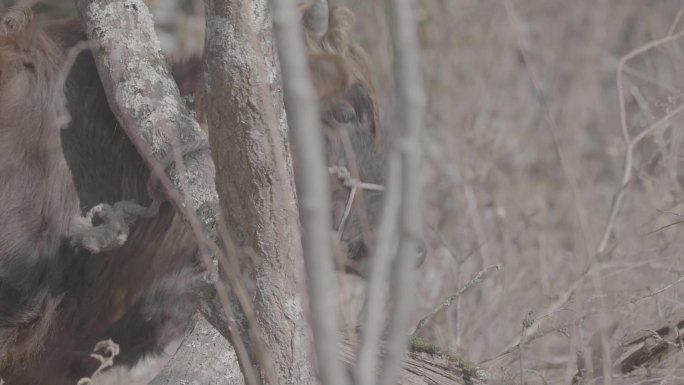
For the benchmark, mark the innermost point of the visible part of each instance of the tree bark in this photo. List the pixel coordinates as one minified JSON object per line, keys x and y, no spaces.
{"x":214,"y":365}
{"x":254,"y":175}
{"x":248,"y":129}
{"x":147,"y":104}
{"x":204,"y":357}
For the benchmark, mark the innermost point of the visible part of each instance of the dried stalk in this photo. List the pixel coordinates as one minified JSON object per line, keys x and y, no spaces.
{"x":410,"y":113}
{"x":479,"y":277}
{"x":367,"y":362}
{"x":313,"y":191}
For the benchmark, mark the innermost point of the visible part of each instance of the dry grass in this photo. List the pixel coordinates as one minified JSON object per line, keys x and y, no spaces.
{"x":523,"y":156}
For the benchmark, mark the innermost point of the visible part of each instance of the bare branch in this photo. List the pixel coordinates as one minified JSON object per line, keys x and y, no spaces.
{"x":411,"y":106}
{"x":479,"y":277}
{"x":380,"y":266}
{"x":666,"y":287}
{"x":313,"y":190}
{"x":632,"y":143}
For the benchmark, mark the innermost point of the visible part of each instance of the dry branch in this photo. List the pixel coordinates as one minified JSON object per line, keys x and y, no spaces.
{"x":313,"y":190}
{"x":479,"y":277}
{"x":365,"y":373}
{"x":631,"y":143}
{"x":650,"y":346}
{"x":410,"y":111}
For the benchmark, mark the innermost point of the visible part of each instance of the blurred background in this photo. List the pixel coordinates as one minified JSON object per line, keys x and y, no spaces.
{"x":523,"y":155}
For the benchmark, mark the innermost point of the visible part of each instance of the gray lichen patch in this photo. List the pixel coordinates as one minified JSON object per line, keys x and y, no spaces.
{"x":146,"y":99}
{"x":140,"y":81}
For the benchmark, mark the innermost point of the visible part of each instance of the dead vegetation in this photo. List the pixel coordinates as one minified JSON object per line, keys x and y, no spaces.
{"x":524,"y":163}
{"x":524,"y":160}
{"x":524,"y":156}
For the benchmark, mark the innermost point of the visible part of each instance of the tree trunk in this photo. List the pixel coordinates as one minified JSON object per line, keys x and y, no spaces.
{"x":248,"y":129}
{"x":204,"y":357}
{"x":254,"y":176}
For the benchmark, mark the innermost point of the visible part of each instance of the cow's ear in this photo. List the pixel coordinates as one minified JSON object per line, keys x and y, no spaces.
{"x":330,"y":73}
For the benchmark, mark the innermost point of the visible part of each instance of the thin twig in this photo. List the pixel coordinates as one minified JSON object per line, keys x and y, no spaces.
{"x":353,"y":184}
{"x":675,"y":23}
{"x":479,"y":277}
{"x":230,"y":267}
{"x":348,"y":181}
{"x":670,"y":212}
{"x":525,"y":338}
{"x":668,"y":286}
{"x":630,"y":142}
{"x":616,"y":204}
{"x":661,"y":228}
{"x":345,"y":215}
{"x":552,"y":127}
{"x":649,"y":79}
{"x":207,"y":248}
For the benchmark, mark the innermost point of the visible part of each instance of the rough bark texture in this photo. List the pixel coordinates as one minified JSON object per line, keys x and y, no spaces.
{"x":147,"y":104}
{"x":216,"y":364}
{"x":254,"y":173}
{"x":247,"y":129}
{"x":204,"y":357}
{"x":143,"y":95}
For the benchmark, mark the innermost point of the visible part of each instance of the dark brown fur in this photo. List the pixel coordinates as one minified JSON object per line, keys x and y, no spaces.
{"x":354,"y":137}
{"x":353,"y":134}
{"x":56,"y":301}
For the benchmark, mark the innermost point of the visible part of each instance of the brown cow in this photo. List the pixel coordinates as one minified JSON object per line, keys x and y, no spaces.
{"x":354,"y":143}
{"x":56,"y":299}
